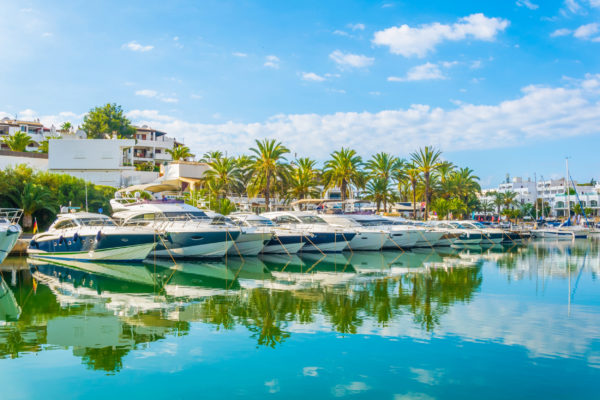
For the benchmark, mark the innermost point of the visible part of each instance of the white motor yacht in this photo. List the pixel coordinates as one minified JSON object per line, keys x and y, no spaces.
{"x":367,"y":238}
{"x":283,"y":241}
{"x":87,"y":236}
{"x":429,"y":237}
{"x":489,"y":235}
{"x":186,"y":231}
{"x":10,"y":230}
{"x":320,"y":236}
{"x":399,"y":236}
{"x":251,"y":240}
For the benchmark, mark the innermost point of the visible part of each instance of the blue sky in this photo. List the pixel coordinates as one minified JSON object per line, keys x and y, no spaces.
{"x":503,"y":87}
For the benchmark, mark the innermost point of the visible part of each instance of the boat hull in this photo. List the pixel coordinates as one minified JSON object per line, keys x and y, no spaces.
{"x":327,"y":242}
{"x":249,"y":244}
{"x":8,"y":239}
{"x":195,"y":244}
{"x":284,"y":244}
{"x":368,"y":241}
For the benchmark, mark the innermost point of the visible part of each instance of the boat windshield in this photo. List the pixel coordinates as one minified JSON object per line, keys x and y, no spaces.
{"x":311,"y":219}
{"x":456,"y":225}
{"x":477,"y":225}
{"x":96,"y":221}
{"x":184,"y":215}
{"x":260,"y":222}
{"x":374,"y":222}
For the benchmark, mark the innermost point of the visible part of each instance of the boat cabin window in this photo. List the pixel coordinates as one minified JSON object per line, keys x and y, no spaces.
{"x":145,"y":217}
{"x":185,"y":215}
{"x":311,"y":219}
{"x":374,"y":222}
{"x":65,"y":224}
{"x":259,"y":222}
{"x":285,"y":219}
{"x":96,"y":221}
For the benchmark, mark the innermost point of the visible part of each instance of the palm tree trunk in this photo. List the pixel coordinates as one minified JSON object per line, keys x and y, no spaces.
{"x":343,"y":189}
{"x":267,"y":191}
{"x":427,"y":196}
{"x":414,"y":193}
{"x":27,"y":220}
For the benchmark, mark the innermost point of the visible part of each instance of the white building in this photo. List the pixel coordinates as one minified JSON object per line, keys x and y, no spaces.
{"x":150,"y":146}
{"x":100,"y":161}
{"x":35,"y":129}
{"x":552,"y":192}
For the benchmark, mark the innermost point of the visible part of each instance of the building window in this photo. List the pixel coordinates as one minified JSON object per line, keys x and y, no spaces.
{"x":560,"y":204}
{"x":23,"y":128}
{"x":594,"y":203}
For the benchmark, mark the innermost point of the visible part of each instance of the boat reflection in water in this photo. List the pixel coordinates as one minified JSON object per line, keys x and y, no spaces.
{"x":102,"y":312}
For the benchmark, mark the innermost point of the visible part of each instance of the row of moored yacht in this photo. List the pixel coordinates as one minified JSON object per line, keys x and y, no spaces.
{"x":178,"y":230}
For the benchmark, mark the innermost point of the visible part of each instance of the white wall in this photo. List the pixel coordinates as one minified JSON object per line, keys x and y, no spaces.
{"x":87,"y":154}
{"x":35,"y":163}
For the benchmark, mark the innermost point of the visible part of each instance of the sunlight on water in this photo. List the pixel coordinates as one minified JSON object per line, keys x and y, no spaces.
{"x":493,"y":322}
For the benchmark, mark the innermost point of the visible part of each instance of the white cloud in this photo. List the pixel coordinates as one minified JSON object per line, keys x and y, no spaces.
{"x":311,"y":371}
{"x":272,"y":61}
{"x":340,"y":33}
{"x":351,"y":60}
{"x":586,"y":31}
{"x":311,"y":76}
{"x":47,"y":120}
{"x":153,"y":94}
{"x":594,"y":3}
{"x":539,"y":114}
{"x":239,"y":54}
{"x":357,"y":27}
{"x":560,"y":32}
{"x":195,"y":96}
{"x":350,"y":388}
{"x":46,"y":34}
{"x":146,"y":93}
{"x":427,"y":71}
{"x":177,"y":43}
{"x":418,"y":41}
{"x":475,"y":64}
{"x":528,"y":4}
{"x":573,"y":6}
{"x":135,"y":46}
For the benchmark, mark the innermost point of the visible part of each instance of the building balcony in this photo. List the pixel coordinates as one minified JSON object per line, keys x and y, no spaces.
{"x":161,"y":144}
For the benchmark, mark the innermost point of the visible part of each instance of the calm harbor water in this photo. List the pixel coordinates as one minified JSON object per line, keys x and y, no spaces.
{"x":494,"y":323}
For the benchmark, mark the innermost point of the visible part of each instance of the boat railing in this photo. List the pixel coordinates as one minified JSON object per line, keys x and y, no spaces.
{"x":11,"y":215}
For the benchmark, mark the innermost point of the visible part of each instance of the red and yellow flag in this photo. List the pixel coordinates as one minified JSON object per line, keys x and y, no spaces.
{"x":35,"y":227}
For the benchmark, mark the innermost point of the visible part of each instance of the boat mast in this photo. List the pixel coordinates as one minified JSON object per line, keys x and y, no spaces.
{"x":567,"y":190}
{"x":536,"y":196}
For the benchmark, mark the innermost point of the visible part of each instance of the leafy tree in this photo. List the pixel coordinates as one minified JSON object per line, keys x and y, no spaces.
{"x":343,"y":170}
{"x":180,"y":152}
{"x":18,"y":141}
{"x":211,"y":156}
{"x":103,"y":121}
{"x":268,"y":167}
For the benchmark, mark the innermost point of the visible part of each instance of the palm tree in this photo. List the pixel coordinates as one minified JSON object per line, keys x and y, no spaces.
{"x":180,"y":152}
{"x":268,"y":166}
{"x":412,"y":176}
{"x":18,"y":141}
{"x":304,"y":180}
{"x":66,"y":127}
{"x":383,"y":165}
{"x":498,"y":200}
{"x":485,"y":206}
{"x":465,"y":186}
{"x":378,"y":190}
{"x":224,"y":174}
{"x":427,"y":161}
{"x":211,"y":156}
{"x":33,"y":198}
{"x":343,"y":170}
{"x":509,"y":199}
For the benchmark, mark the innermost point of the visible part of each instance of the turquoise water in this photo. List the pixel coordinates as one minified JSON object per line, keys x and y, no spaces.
{"x":494,"y":323}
